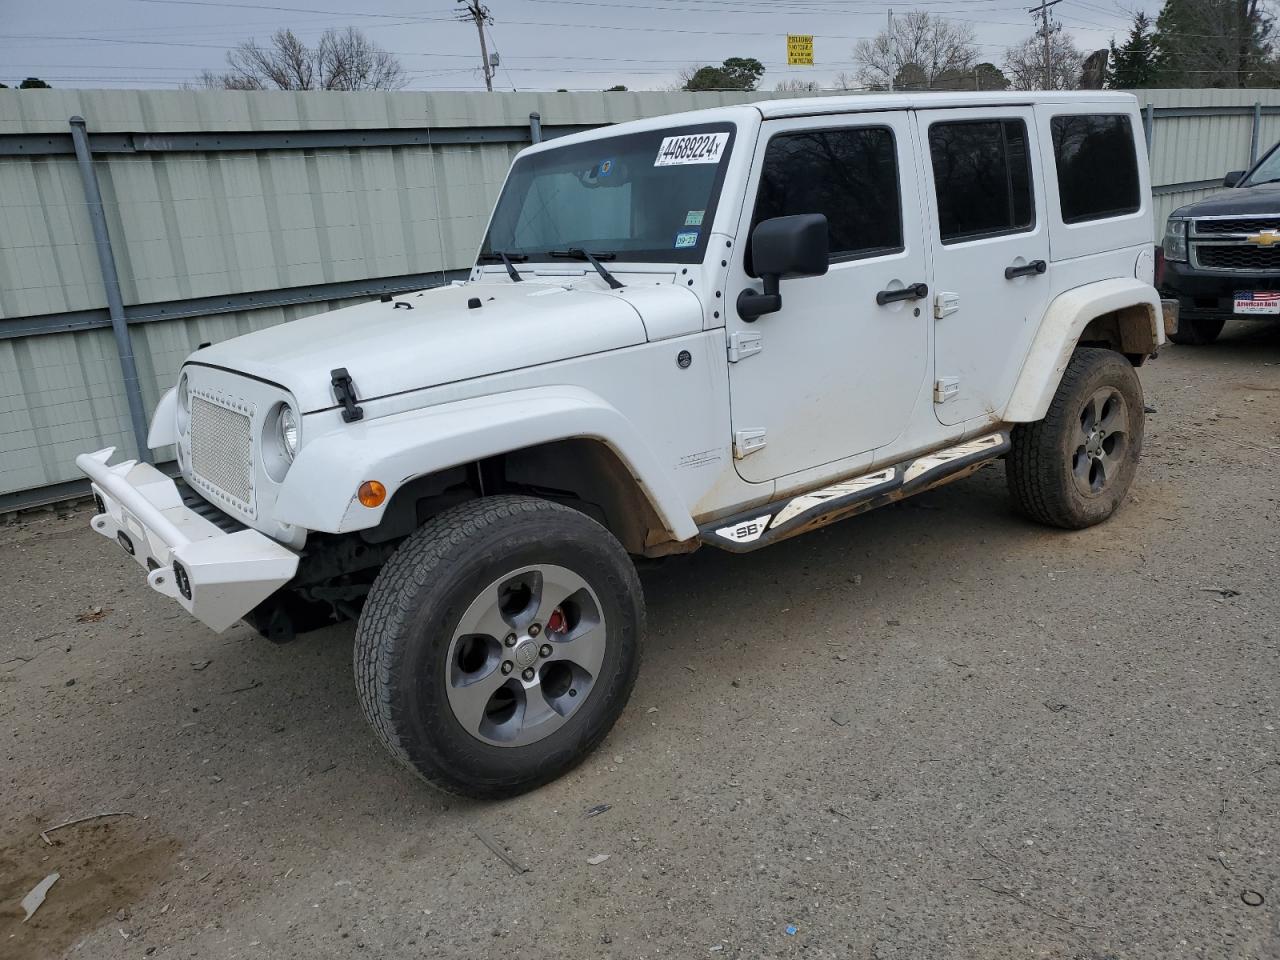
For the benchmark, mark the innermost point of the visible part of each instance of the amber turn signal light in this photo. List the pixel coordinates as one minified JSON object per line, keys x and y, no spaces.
{"x":371,"y":493}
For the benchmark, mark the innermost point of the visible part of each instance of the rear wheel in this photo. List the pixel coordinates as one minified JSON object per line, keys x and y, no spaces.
{"x":1197,"y":331}
{"x":499,"y":645}
{"x":1074,"y":467}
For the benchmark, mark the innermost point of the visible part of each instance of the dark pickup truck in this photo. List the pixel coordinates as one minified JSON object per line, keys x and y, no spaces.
{"x":1222,"y":254}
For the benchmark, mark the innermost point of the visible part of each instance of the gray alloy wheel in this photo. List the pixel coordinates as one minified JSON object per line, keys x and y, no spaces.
{"x":525,"y":655}
{"x":1103,"y":440}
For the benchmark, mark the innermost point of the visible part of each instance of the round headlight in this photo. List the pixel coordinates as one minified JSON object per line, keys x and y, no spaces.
{"x":288,"y":431}
{"x":184,"y":403}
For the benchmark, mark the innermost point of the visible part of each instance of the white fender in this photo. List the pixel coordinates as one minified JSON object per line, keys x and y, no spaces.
{"x":1063,"y":323}
{"x":164,"y":425}
{"x":319,"y":492}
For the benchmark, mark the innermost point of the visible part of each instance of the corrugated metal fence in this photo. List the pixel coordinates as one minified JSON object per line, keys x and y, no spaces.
{"x":228,"y":212}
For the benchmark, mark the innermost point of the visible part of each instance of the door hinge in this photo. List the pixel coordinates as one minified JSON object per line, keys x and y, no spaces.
{"x":945,"y":388}
{"x":744,"y":345}
{"x":945,"y":304}
{"x":747,"y":442}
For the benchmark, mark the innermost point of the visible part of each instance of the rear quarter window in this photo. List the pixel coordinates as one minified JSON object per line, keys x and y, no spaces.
{"x":1097,"y":166}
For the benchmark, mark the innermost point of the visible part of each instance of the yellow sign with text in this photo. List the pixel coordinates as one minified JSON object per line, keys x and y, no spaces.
{"x":799,"y":50}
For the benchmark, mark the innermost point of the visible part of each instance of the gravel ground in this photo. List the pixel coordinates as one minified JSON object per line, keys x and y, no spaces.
{"x":933,"y":731}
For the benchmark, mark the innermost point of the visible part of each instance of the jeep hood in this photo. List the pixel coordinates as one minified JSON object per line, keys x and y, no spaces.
{"x":1235,"y":202}
{"x":388,"y":347}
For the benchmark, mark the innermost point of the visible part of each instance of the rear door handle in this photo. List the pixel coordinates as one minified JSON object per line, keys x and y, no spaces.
{"x":1035,"y":267}
{"x":917,"y":291}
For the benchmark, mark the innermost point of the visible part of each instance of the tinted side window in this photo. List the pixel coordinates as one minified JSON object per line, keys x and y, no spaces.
{"x":1097,"y":166}
{"x":849,"y":175}
{"x":982,"y":175}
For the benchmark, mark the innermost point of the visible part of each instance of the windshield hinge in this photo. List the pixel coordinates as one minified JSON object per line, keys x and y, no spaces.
{"x":744,"y":345}
{"x":344,"y":391}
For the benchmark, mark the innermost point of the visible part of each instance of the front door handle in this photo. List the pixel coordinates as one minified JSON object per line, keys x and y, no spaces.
{"x":1034,"y":268}
{"x":917,"y":291}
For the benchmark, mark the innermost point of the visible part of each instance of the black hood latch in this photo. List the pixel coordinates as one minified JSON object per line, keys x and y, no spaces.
{"x":344,"y":391}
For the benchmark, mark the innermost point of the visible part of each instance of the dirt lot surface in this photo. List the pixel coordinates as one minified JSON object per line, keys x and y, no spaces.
{"x":934,"y":731}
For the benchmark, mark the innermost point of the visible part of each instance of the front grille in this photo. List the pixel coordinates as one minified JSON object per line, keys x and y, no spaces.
{"x":222,"y":452}
{"x":1236,"y":225}
{"x":1240,"y":257}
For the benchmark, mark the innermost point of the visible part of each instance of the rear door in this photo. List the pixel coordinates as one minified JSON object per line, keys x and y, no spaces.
{"x":990,"y":242}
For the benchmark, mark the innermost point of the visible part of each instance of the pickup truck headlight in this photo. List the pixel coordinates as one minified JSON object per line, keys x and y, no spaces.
{"x":184,"y":404}
{"x":1175,"y":240}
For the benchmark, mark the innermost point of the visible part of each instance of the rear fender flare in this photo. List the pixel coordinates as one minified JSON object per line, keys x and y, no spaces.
{"x":1064,"y":321}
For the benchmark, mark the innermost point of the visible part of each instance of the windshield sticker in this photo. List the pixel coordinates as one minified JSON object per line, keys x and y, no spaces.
{"x":691,"y":148}
{"x":693,"y":218}
{"x":686,"y":238}
{"x":606,"y":168}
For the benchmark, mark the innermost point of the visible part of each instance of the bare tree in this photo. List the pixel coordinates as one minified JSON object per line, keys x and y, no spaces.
{"x":796,"y":85}
{"x":928,"y":45}
{"x":342,"y":60}
{"x":1024,"y":64}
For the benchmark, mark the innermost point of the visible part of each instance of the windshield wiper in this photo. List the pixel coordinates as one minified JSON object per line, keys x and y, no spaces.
{"x":577,"y":253}
{"x":507,"y":261}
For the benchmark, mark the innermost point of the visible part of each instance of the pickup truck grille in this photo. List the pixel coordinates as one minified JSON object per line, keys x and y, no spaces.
{"x":222,"y":453}
{"x":1238,"y":258}
{"x":1245,"y":225}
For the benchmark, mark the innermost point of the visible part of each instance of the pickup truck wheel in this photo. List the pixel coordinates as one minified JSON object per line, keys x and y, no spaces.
{"x":1197,"y":331}
{"x":1074,"y":467}
{"x":499,"y":644}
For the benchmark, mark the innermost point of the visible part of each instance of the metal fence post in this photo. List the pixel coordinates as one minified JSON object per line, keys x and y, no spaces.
{"x":535,"y":127}
{"x":1148,"y":123}
{"x":1257,"y":130}
{"x":111,"y":281}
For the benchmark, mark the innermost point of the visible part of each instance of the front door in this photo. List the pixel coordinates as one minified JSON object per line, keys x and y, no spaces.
{"x":990,"y":240}
{"x":834,"y":373}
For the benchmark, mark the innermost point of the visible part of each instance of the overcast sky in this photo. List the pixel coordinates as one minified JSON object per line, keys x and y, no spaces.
{"x":544,"y":44}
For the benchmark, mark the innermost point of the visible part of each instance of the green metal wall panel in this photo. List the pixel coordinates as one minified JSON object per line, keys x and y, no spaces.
{"x":202,"y":224}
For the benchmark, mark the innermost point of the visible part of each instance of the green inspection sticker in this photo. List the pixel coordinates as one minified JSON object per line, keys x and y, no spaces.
{"x":693,"y":218}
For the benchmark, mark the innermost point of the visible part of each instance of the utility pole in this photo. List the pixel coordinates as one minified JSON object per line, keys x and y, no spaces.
{"x":479,"y":14}
{"x":1043,"y":10}
{"x":892,"y":46}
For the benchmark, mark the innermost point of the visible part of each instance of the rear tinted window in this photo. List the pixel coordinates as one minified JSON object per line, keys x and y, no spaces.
{"x":982,"y":177}
{"x":851,"y":176}
{"x":1097,"y":166}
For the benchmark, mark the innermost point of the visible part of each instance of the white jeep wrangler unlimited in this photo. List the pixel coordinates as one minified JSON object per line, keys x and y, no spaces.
{"x":724,"y":327}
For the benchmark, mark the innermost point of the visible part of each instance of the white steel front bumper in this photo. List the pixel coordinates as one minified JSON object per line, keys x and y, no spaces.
{"x":218,"y":576}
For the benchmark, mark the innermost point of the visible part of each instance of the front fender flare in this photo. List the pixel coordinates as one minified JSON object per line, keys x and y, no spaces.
{"x":164,"y":424}
{"x":1064,"y":321}
{"x":319,"y":492}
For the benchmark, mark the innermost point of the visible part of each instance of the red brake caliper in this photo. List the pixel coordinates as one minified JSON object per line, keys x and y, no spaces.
{"x":556,"y":622}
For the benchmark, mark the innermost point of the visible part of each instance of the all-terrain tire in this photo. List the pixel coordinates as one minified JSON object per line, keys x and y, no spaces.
{"x":1060,"y":471}
{"x":1198,"y":331}
{"x":404,"y":636}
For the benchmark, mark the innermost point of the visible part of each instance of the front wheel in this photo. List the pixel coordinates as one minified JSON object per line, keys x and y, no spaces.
{"x":499,"y":645}
{"x":1074,"y":467}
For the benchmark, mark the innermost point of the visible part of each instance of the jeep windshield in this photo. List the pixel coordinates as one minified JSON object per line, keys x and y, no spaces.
{"x":642,"y":197}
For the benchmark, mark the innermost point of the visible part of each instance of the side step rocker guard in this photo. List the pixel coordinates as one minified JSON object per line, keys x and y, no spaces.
{"x":776,"y":521}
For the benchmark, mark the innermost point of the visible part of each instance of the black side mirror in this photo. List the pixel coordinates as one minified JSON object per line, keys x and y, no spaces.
{"x":1233,"y":178}
{"x":795,"y":246}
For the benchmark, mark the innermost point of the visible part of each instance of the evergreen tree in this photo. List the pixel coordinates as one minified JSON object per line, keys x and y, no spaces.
{"x":1133,"y":65}
{"x":1212,"y":43}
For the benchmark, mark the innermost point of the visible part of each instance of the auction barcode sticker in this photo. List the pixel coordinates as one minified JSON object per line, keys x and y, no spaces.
{"x":691,"y":148}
